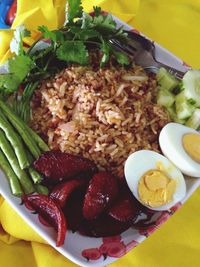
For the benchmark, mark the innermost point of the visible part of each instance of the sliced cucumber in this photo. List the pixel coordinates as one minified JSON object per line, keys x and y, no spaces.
{"x":172,"y":112}
{"x":181,"y":121}
{"x":173,"y":116}
{"x":191,"y":85}
{"x":178,"y":88}
{"x":166,"y":80}
{"x":165,"y":98}
{"x":161,"y":73}
{"x":194,"y":120}
{"x":184,"y":109}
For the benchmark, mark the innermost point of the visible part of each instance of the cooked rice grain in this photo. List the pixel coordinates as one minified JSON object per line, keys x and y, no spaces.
{"x":103,"y":114}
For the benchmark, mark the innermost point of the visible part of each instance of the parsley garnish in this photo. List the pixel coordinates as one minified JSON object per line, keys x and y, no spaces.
{"x":75,"y":10}
{"x":78,"y":52}
{"x":19,"y":68}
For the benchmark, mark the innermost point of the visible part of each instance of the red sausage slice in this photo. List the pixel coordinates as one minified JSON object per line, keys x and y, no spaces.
{"x":51,"y":212}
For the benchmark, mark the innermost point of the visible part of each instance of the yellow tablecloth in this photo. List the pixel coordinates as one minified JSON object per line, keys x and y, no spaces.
{"x":175,"y":25}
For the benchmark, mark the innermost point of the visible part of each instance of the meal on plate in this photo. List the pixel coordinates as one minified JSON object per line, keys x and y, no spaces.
{"x":83,"y":129}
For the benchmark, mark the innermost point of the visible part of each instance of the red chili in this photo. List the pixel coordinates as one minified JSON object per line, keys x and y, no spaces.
{"x":51,"y":212}
{"x":62,"y":191}
{"x":11,"y":13}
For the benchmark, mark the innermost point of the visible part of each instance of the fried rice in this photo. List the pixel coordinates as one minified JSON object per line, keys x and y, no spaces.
{"x":101,"y":114}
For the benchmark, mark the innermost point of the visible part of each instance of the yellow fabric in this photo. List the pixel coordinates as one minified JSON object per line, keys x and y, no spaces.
{"x":175,"y":25}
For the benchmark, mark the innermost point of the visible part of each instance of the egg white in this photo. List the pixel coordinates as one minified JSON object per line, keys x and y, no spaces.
{"x":142,"y":161}
{"x":170,"y":141}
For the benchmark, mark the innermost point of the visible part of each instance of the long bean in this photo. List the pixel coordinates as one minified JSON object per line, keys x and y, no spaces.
{"x":11,"y":176}
{"x":15,"y":141}
{"x":36,"y":176}
{"x":11,"y":157}
{"x":19,"y":125}
{"x":42,"y":145}
{"x":41,"y":189}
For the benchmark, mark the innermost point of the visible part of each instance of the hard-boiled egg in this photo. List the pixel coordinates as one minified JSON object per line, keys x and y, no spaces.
{"x":154,"y":180}
{"x":181,"y":145}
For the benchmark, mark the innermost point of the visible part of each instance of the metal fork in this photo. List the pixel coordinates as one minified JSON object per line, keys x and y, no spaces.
{"x":142,"y":51}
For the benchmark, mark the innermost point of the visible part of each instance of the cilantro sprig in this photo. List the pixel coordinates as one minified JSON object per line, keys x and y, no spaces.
{"x":70,"y":44}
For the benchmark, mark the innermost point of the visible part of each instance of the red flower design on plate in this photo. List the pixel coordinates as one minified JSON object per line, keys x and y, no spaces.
{"x":113,"y":249}
{"x":175,"y":208}
{"x":164,"y":216}
{"x":147,"y":231}
{"x":91,"y":254}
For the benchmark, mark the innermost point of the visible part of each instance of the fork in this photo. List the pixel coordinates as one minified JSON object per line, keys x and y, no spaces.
{"x":142,"y":51}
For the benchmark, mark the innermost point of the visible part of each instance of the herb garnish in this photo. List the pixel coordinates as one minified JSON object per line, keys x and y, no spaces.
{"x":70,"y":44}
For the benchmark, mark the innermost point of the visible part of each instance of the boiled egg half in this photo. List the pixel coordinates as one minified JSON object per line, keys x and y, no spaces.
{"x":181,"y":145}
{"x":154,"y":180}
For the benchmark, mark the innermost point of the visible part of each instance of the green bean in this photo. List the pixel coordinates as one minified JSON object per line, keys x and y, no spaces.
{"x":11,"y":157}
{"x":15,"y":141}
{"x":19,"y":125}
{"x":36,"y":176}
{"x":42,"y":145}
{"x":12,"y":178}
{"x":41,"y":189}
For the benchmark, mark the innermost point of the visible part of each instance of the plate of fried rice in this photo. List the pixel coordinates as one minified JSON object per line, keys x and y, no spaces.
{"x":104,"y":115}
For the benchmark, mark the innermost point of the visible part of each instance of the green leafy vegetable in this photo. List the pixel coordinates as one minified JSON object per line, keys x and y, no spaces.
{"x":84,"y":34}
{"x":104,"y":23}
{"x":55,"y":36}
{"x":70,"y":44}
{"x":121,"y":58}
{"x":97,"y":11}
{"x":75,"y":9}
{"x":73,"y":51}
{"x":105,"y":48}
{"x":19,"y":67}
{"x":8,"y":83}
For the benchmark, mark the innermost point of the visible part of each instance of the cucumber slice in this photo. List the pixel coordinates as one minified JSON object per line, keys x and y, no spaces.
{"x":165,"y":98}
{"x":161,"y":73}
{"x":173,"y":116}
{"x":172,"y":112}
{"x":181,"y":121}
{"x":166,"y":80}
{"x":191,"y":85}
{"x":194,"y":120}
{"x":184,"y":109}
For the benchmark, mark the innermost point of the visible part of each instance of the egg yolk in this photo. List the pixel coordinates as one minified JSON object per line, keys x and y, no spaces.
{"x":191,"y":144}
{"x":155,"y":188}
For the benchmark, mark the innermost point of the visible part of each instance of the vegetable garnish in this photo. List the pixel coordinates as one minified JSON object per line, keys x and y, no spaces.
{"x":180,"y":98}
{"x":19,"y":145}
{"x":70,"y":44}
{"x":28,"y":169}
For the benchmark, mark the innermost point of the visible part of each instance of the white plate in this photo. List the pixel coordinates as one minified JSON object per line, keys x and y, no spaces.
{"x":75,"y":244}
